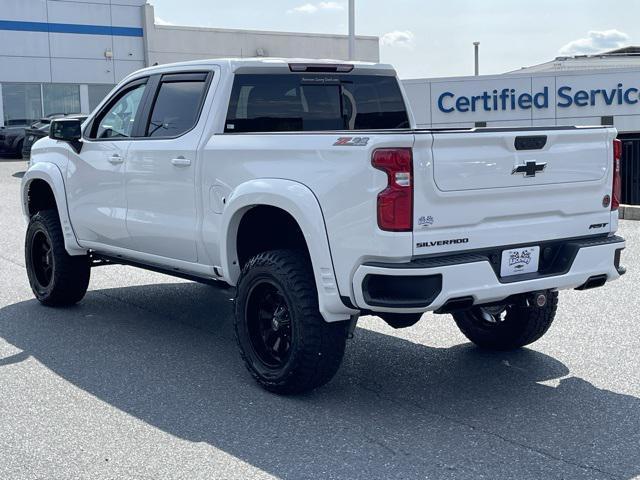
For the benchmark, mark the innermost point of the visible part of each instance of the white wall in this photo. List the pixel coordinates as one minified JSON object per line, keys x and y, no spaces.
{"x":27,"y":56}
{"x":42,"y":57}
{"x":100,"y":57}
{"x":166,"y":44}
{"x":424,"y":96}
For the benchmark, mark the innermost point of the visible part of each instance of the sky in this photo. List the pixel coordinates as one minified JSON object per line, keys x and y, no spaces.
{"x":434,"y":38}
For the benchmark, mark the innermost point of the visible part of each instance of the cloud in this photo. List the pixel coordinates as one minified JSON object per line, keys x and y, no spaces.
{"x":398,"y":38}
{"x":315,"y":7}
{"x":596,"y":42}
{"x":160,"y":21}
{"x":330,"y":6}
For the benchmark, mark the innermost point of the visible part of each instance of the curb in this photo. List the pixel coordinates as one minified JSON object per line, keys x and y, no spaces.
{"x":629,"y":212}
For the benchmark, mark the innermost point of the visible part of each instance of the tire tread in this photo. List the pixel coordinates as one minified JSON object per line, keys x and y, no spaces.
{"x":523,"y":326}
{"x":321,"y":344}
{"x":71,"y":273}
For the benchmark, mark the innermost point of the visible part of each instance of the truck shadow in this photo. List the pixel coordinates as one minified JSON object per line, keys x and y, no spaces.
{"x":166,"y":355}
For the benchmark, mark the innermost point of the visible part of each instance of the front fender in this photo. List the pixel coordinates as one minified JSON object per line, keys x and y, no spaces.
{"x":300,"y":202}
{"x":50,"y":173}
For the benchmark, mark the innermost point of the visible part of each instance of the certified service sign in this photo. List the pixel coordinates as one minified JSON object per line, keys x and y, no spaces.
{"x":517,"y":98}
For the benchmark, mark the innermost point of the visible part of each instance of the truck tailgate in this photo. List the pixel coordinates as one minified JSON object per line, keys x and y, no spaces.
{"x":485,"y":188}
{"x":464,"y":161}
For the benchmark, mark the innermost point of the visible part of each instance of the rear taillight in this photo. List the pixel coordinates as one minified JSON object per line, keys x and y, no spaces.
{"x":395,"y":203}
{"x":617,"y":178}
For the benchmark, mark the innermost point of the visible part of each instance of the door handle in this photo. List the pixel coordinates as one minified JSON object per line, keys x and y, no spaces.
{"x":115,"y":159}
{"x":181,"y":162}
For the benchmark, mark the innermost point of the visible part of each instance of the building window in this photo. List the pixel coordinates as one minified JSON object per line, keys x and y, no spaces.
{"x":22,"y":103}
{"x":60,"y":98}
{"x":97,"y":94}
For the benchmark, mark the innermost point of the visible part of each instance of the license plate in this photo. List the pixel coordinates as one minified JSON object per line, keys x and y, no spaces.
{"x":519,"y":261}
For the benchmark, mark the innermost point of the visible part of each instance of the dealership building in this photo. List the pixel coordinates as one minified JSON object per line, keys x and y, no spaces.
{"x":64,"y":56}
{"x":59,"y":56}
{"x":585,"y":90}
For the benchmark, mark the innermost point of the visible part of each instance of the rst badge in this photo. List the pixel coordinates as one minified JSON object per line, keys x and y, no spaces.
{"x":351,"y":142}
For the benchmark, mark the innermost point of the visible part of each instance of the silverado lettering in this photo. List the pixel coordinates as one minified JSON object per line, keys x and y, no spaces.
{"x":442,"y":243}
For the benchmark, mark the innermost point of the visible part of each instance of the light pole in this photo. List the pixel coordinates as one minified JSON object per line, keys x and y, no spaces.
{"x":476,"y":48}
{"x":352,"y":29}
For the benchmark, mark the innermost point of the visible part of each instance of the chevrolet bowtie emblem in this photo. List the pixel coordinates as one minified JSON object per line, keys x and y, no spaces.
{"x":529,"y":169}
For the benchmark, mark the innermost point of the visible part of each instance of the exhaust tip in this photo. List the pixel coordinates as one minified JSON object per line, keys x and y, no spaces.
{"x":540,"y":299}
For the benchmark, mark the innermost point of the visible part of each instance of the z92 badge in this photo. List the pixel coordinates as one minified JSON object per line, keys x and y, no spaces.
{"x":351,"y":142}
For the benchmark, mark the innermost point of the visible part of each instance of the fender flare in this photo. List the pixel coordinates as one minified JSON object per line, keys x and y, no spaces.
{"x":298,"y":201}
{"x":51,"y":174}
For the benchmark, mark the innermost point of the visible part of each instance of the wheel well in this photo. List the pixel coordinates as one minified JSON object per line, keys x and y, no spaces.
{"x":265,"y":228}
{"x":40,"y":197}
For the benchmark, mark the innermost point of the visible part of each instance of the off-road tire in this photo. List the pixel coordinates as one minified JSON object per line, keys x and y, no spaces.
{"x":316,"y":347}
{"x":69,"y":277}
{"x":521,"y":326}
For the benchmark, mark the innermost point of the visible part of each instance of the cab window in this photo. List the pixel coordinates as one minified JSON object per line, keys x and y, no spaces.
{"x":177,"y":105}
{"x":315,"y":102}
{"x":117,"y":120}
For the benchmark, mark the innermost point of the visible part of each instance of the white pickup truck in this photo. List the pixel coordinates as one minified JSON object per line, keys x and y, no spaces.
{"x":306,"y":186}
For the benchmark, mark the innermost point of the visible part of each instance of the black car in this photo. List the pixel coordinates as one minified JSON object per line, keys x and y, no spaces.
{"x":40,"y":129}
{"x":12,"y":138}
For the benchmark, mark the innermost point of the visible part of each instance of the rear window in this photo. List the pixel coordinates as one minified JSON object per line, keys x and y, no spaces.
{"x":308,"y":102}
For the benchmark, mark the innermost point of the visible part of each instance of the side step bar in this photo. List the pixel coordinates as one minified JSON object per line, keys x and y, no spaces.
{"x":99,"y":259}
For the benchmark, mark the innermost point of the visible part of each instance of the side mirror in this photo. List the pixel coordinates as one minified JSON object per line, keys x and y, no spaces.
{"x":67,"y":130}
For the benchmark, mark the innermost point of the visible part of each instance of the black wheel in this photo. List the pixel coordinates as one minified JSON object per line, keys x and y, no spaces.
{"x":285,"y":343}
{"x":507,"y":327}
{"x":400,"y":320}
{"x":56,"y":278}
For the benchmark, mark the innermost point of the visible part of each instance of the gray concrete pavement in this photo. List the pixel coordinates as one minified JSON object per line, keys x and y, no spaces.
{"x":142,"y":380}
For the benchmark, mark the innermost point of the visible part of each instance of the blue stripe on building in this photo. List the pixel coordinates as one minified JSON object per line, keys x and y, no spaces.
{"x":70,"y":28}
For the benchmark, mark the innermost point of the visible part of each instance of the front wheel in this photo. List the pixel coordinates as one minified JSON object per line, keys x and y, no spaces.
{"x":56,"y":278}
{"x":507,"y":327}
{"x":285,"y":343}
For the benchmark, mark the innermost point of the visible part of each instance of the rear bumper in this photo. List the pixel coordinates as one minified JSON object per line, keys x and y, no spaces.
{"x":430,"y":283}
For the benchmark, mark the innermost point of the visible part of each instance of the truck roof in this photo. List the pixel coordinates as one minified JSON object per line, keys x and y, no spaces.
{"x":234,"y":64}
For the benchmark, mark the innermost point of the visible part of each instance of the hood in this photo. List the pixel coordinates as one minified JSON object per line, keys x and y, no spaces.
{"x":13,"y":130}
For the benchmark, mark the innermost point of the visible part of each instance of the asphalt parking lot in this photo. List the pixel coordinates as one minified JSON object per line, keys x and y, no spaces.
{"x":142,"y":380}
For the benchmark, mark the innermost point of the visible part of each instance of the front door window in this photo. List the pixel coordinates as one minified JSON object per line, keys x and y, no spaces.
{"x":118,"y":121}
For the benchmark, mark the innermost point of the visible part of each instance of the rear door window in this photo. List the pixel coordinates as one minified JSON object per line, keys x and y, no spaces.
{"x":177,"y":105}
{"x":308,"y":102}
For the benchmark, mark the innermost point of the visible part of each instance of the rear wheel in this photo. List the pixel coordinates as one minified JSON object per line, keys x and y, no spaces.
{"x":507,"y":327}
{"x":285,"y":343}
{"x":56,"y":278}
